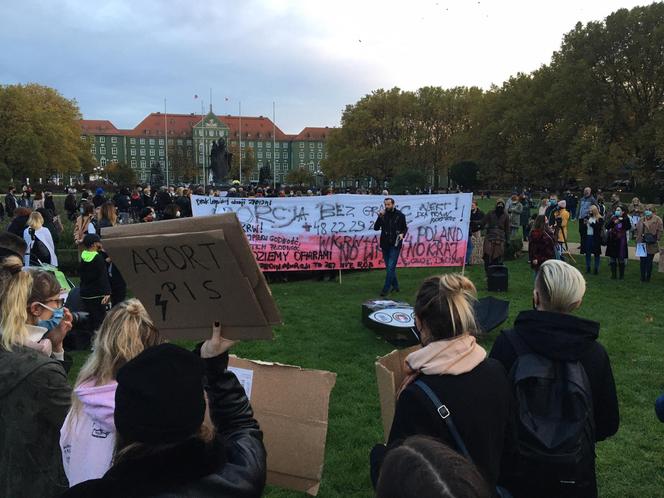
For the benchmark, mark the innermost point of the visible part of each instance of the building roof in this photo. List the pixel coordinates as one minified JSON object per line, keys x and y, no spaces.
{"x":252,"y":126}
{"x":182,"y":124}
{"x":311,"y":133}
{"x":99,"y":127}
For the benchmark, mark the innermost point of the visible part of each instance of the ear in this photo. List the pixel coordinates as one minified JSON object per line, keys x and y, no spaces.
{"x":536,"y":298}
{"x":35,"y":309}
{"x":576,"y":305}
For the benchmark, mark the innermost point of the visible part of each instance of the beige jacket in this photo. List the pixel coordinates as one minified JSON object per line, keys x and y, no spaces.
{"x":654,"y":226}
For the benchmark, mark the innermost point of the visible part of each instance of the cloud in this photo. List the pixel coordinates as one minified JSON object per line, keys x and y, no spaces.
{"x":120,"y":59}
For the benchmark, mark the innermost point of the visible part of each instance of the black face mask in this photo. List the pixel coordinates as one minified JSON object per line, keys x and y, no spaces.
{"x":500,"y":210}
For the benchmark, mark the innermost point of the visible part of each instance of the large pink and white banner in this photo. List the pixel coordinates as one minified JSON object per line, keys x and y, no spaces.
{"x":336,"y":231}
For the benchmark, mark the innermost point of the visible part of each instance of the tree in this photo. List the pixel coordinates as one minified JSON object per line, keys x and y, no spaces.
{"x":465,"y":174}
{"x":409,"y":181}
{"x":300,"y":176}
{"x":181,"y":162}
{"x":39,"y":132}
{"x":121,"y":174}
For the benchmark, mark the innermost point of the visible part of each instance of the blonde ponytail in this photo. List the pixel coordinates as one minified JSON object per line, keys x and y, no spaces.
{"x":15,"y":288}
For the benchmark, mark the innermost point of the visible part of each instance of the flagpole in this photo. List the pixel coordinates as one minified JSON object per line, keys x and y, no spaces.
{"x":274,"y":164}
{"x":240,"y":140}
{"x":203,"y":129}
{"x":166,"y":141}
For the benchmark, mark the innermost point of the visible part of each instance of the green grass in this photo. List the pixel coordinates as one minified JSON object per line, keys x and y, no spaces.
{"x":322,"y":329}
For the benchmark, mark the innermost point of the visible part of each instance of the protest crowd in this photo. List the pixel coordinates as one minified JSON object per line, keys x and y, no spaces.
{"x":149,"y":418}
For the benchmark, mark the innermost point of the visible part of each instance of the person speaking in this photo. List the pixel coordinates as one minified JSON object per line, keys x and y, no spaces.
{"x":392,"y":225}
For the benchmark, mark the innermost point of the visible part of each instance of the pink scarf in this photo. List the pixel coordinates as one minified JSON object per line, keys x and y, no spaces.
{"x":450,"y":357}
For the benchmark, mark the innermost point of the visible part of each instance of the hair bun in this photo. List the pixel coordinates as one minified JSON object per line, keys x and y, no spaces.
{"x":457,"y":284}
{"x":134,"y":307}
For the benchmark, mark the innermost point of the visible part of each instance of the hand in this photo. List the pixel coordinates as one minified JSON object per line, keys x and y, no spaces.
{"x":381,"y":213}
{"x":58,"y":333}
{"x":534,"y":262}
{"x":105,"y":299}
{"x":216,"y":345}
{"x":400,"y":236}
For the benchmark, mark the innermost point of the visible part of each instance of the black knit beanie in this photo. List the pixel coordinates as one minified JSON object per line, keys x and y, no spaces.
{"x":159,"y":398}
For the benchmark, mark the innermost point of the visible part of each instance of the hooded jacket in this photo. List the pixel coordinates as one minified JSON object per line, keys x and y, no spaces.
{"x":34,"y":399}
{"x":87,"y":438}
{"x":233,"y":465}
{"x":563,"y":337}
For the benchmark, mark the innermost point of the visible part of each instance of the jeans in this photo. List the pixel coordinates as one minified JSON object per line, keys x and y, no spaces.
{"x":646,"y":267}
{"x":588,"y":243}
{"x":391,"y":257}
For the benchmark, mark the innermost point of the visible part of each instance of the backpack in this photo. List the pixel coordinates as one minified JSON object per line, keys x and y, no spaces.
{"x":555,"y":421}
{"x":39,"y":253}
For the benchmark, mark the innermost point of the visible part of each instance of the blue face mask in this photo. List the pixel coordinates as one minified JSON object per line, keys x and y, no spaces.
{"x":553,"y":202}
{"x":618,"y":213}
{"x":648,"y":213}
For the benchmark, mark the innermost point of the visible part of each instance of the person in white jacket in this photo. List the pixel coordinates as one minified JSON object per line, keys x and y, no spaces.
{"x":87,"y":438}
{"x":36,"y":231}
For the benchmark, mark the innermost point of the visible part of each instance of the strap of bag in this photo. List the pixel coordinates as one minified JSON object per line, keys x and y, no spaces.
{"x":445,"y":414}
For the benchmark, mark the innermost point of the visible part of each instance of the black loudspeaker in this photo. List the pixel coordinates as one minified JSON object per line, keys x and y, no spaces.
{"x":497,"y":277}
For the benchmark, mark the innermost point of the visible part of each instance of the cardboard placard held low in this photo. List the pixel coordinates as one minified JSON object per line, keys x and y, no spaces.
{"x":189,"y":274}
{"x":390,"y":372}
{"x":291,"y":405}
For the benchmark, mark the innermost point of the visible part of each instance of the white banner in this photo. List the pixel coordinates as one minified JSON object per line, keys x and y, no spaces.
{"x":336,"y":231}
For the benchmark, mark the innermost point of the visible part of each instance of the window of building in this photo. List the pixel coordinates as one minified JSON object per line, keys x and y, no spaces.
{"x":93,"y":149}
{"x":276,"y":154}
{"x":251,"y":144}
{"x":284,"y":145}
{"x":260,"y":144}
{"x":268,"y":154}
{"x":102,"y":150}
{"x":114,"y":150}
{"x":102,"y":161}
{"x":260,"y":164}
{"x":268,"y":145}
{"x":161,"y":141}
{"x":285,"y":155}
{"x":171,"y":141}
{"x":83,"y":138}
{"x":161,"y":152}
{"x":244,"y":155}
{"x":188,"y":142}
{"x":326,"y":155}
{"x":200,"y":133}
{"x":114,"y":140}
{"x":200,"y":159}
{"x":301,"y":155}
{"x":152,"y":141}
{"x":311,"y":145}
{"x":242,"y":144}
{"x":301,"y":145}
{"x":152,"y":152}
{"x":142,"y":152}
{"x":102,"y":139}
{"x":320,"y":145}
{"x":143,"y":164}
{"x":142,"y":141}
{"x":320,"y":155}
{"x":133,"y":152}
{"x":311,"y":155}
{"x":133,"y":163}
{"x":211,"y":133}
{"x":132,"y":141}
{"x":259,"y":154}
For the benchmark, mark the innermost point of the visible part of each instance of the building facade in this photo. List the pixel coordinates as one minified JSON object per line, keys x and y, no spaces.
{"x":186,"y":139}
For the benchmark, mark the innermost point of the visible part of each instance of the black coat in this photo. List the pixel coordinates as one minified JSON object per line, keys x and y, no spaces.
{"x":17,"y":225}
{"x":476,"y":220}
{"x":390,"y":224}
{"x":565,"y":338}
{"x":481,"y":405}
{"x":94,"y":278}
{"x":184,"y":203}
{"x":10,"y":204}
{"x":233,"y":465}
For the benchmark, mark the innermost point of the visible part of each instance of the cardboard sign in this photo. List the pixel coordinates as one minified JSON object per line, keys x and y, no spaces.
{"x":291,"y":405}
{"x":390,"y":373}
{"x":189,"y":275}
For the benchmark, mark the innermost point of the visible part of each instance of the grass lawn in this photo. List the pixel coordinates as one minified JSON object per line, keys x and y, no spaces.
{"x":322,"y":330}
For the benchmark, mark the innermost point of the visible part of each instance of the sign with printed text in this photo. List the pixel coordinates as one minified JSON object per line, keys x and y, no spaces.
{"x":337,"y":231}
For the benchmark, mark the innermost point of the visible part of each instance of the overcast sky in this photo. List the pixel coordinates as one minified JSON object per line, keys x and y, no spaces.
{"x":120,"y":59}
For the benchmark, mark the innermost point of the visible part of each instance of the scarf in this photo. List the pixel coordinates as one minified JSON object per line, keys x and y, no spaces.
{"x":449,"y":357}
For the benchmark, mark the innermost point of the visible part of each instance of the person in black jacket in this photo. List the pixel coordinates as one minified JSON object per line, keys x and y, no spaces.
{"x":455,"y":367}
{"x":95,"y":284}
{"x":20,"y":221}
{"x":11,"y":203}
{"x":168,"y":444}
{"x":392,"y":225}
{"x":551,"y":331}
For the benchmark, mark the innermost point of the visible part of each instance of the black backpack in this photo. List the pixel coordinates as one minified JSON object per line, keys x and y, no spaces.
{"x":555,"y":421}
{"x":39,"y":253}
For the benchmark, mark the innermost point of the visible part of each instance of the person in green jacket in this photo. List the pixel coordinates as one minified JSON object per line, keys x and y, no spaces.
{"x":34,"y":393}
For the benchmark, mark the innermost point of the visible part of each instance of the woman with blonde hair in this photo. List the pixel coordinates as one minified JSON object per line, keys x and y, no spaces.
{"x":552,"y":340}
{"x":34,"y":393}
{"x":453,"y":366}
{"x":88,"y":434}
{"x":41,"y":248}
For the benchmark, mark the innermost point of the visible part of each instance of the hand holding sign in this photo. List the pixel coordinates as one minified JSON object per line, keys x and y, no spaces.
{"x":216,"y":345}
